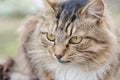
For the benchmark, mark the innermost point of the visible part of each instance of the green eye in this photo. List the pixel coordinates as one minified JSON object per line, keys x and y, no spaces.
{"x":75,"y":40}
{"x":51,"y":37}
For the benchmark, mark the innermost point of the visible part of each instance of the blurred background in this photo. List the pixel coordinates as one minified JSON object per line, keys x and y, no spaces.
{"x":14,"y":12}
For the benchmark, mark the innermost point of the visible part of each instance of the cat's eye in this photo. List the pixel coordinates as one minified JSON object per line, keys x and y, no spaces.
{"x":51,"y":37}
{"x":75,"y":40}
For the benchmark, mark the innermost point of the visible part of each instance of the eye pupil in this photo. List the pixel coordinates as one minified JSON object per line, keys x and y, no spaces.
{"x":76,"y":37}
{"x":51,"y":37}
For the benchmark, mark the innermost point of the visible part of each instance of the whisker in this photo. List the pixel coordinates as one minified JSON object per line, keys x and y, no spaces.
{"x":87,"y":57}
{"x":75,"y":55}
{"x":37,"y":52}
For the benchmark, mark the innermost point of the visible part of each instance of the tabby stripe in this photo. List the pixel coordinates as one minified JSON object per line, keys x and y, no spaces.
{"x":57,"y":24}
{"x":86,"y":51}
{"x":66,"y":30}
{"x":71,"y":31}
{"x":97,"y":41}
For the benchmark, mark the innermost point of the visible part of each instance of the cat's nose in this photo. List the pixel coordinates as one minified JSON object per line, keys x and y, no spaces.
{"x":58,"y":56}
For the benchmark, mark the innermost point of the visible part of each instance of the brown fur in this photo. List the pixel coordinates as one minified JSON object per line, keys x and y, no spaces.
{"x":99,"y":47}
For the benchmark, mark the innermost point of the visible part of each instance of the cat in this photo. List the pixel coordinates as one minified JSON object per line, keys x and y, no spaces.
{"x":69,"y":40}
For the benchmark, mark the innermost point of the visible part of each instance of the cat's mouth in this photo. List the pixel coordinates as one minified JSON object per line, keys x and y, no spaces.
{"x":63,"y":61}
{"x":59,"y":59}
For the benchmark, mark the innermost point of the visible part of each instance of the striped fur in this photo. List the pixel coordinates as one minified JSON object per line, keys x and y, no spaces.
{"x":94,"y":58}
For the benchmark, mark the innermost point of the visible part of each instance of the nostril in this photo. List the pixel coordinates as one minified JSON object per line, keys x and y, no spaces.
{"x":67,"y":46}
{"x":58,"y":56}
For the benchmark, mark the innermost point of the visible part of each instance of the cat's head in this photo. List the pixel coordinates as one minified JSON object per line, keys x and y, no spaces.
{"x":75,"y":32}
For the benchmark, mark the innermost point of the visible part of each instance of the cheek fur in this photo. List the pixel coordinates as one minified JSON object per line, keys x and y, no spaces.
{"x":69,"y":53}
{"x":51,"y":49}
{"x":91,"y":57}
{"x":45,"y":42}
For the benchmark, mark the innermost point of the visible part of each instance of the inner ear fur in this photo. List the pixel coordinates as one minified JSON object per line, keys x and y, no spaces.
{"x":50,"y":5}
{"x":94,"y":9}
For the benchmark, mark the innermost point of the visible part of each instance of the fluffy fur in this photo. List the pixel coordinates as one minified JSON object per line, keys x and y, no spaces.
{"x":96,"y":57}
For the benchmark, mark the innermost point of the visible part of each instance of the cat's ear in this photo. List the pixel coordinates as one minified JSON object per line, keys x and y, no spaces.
{"x":49,"y":5}
{"x":94,"y":9}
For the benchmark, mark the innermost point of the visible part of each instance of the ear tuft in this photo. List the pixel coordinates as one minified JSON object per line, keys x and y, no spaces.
{"x":94,"y":8}
{"x":50,"y":5}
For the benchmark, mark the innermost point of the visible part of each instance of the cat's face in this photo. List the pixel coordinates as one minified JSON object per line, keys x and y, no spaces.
{"x":80,"y":37}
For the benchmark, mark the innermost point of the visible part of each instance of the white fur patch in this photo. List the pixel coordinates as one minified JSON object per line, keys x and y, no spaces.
{"x":18,"y":76}
{"x":75,"y":73}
